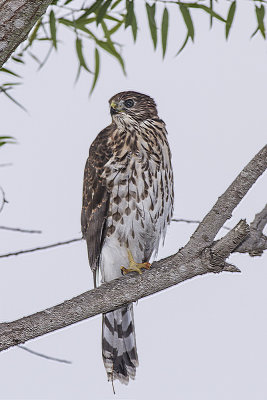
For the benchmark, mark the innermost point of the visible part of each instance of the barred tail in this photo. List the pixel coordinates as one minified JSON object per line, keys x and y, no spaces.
{"x":119,"y":344}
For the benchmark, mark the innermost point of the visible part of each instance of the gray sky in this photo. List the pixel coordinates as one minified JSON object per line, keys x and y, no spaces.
{"x":204,"y":339}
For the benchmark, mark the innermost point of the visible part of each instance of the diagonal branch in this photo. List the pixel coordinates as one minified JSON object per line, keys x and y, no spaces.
{"x":207,"y":256}
{"x":223,"y":208}
{"x":16,"y":20}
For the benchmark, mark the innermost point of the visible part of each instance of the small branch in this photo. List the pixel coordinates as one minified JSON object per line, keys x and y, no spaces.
{"x":8,"y":228}
{"x":36,"y":353}
{"x":6,"y":165}
{"x":256,"y":242}
{"x":4,"y":200}
{"x":194,"y":221}
{"x":49,"y":246}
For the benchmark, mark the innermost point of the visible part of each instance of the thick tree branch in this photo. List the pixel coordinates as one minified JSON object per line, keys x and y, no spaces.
{"x":167,"y":272}
{"x":17,"y":17}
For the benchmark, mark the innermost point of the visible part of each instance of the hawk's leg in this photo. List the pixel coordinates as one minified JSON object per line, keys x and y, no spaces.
{"x":134,"y":266}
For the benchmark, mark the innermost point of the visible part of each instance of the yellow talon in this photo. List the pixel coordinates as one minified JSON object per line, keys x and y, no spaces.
{"x":133,"y":266}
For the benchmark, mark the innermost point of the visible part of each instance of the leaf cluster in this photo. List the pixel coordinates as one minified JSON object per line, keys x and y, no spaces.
{"x":94,"y":26}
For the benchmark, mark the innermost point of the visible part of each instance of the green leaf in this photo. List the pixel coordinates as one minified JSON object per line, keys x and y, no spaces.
{"x":188,"y":21}
{"x":111,"y":50}
{"x":17,"y":59}
{"x":164,"y":30}
{"x":97,"y":69}
{"x":77,"y":25}
{"x":116,"y":27}
{"x":102,"y":11}
{"x":53,"y":29}
{"x":134,"y":27}
{"x":4,"y":91}
{"x":8,"y":71}
{"x":260,"y":12}
{"x":114,"y":5}
{"x":91,"y":9}
{"x":211,"y":17}
{"x":130,"y":19}
{"x":79,"y":52}
{"x":183,"y":45}
{"x":206,"y":9}
{"x":151,"y":10}
{"x":7,"y":140}
{"x":34,"y":31}
{"x":129,"y":15}
{"x":230,"y":18}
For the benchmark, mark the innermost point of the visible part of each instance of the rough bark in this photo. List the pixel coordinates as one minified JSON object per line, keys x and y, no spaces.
{"x":204,"y":257}
{"x":17,"y":17}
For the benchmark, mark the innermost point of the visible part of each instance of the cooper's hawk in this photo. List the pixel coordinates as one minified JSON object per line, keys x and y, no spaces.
{"x":127,"y":205}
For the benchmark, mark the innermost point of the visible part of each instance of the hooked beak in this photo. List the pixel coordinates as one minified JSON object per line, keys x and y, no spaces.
{"x":115,"y":108}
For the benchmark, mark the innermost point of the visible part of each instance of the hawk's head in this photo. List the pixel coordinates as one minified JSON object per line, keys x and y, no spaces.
{"x":132,"y":104}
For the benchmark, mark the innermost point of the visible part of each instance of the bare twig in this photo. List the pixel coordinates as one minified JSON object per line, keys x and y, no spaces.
{"x":4,"y":200}
{"x":6,"y":165}
{"x":36,"y":353}
{"x":164,"y":273}
{"x":8,"y":228}
{"x":49,"y":246}
{"x":194,"y":221}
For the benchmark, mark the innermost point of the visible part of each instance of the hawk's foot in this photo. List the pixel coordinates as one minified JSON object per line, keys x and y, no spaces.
{"x":134,"y":266}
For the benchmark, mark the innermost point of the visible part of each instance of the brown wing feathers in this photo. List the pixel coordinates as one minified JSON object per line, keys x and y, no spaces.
{"x":95,"y":198}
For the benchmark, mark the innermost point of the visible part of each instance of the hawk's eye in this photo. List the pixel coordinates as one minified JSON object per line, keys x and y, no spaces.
{"x":129,"y":103}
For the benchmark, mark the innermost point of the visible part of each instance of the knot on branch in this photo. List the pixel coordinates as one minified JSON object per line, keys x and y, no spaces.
{"x":214,"y":257}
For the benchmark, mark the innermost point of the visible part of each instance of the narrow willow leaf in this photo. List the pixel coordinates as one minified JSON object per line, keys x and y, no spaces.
{"x":116,"y":27}
{"x":18,"y":60}
{"x":230,"y":18}
{"x":129,"y":15}
{"x":7,"y":139}
{"x":111,"y":50}
{"x":151,"y":10}
{"x":110,"y":18}
{"x":260,"y":12}
{"x":34,"y":31}
{"x":11,"y":84}
{"x":94,"y":7}
{"x":254,"y":33}
{"x":183,"y":45}
{"x":211,"y":17}
{"x":8,"y":71}
{"x":97,"y":69}
{"x":114,"y":5}
{"x":164,"y":30}
{"x":79,"y":51}
{"x":188,"y":21}
{"x":4,"y":91}
{"x":207,"y":10}
{"x":76,"y":25}
{"x":134,"y":27}
{"x":102,"y":11}
{"x":53,"y":29}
